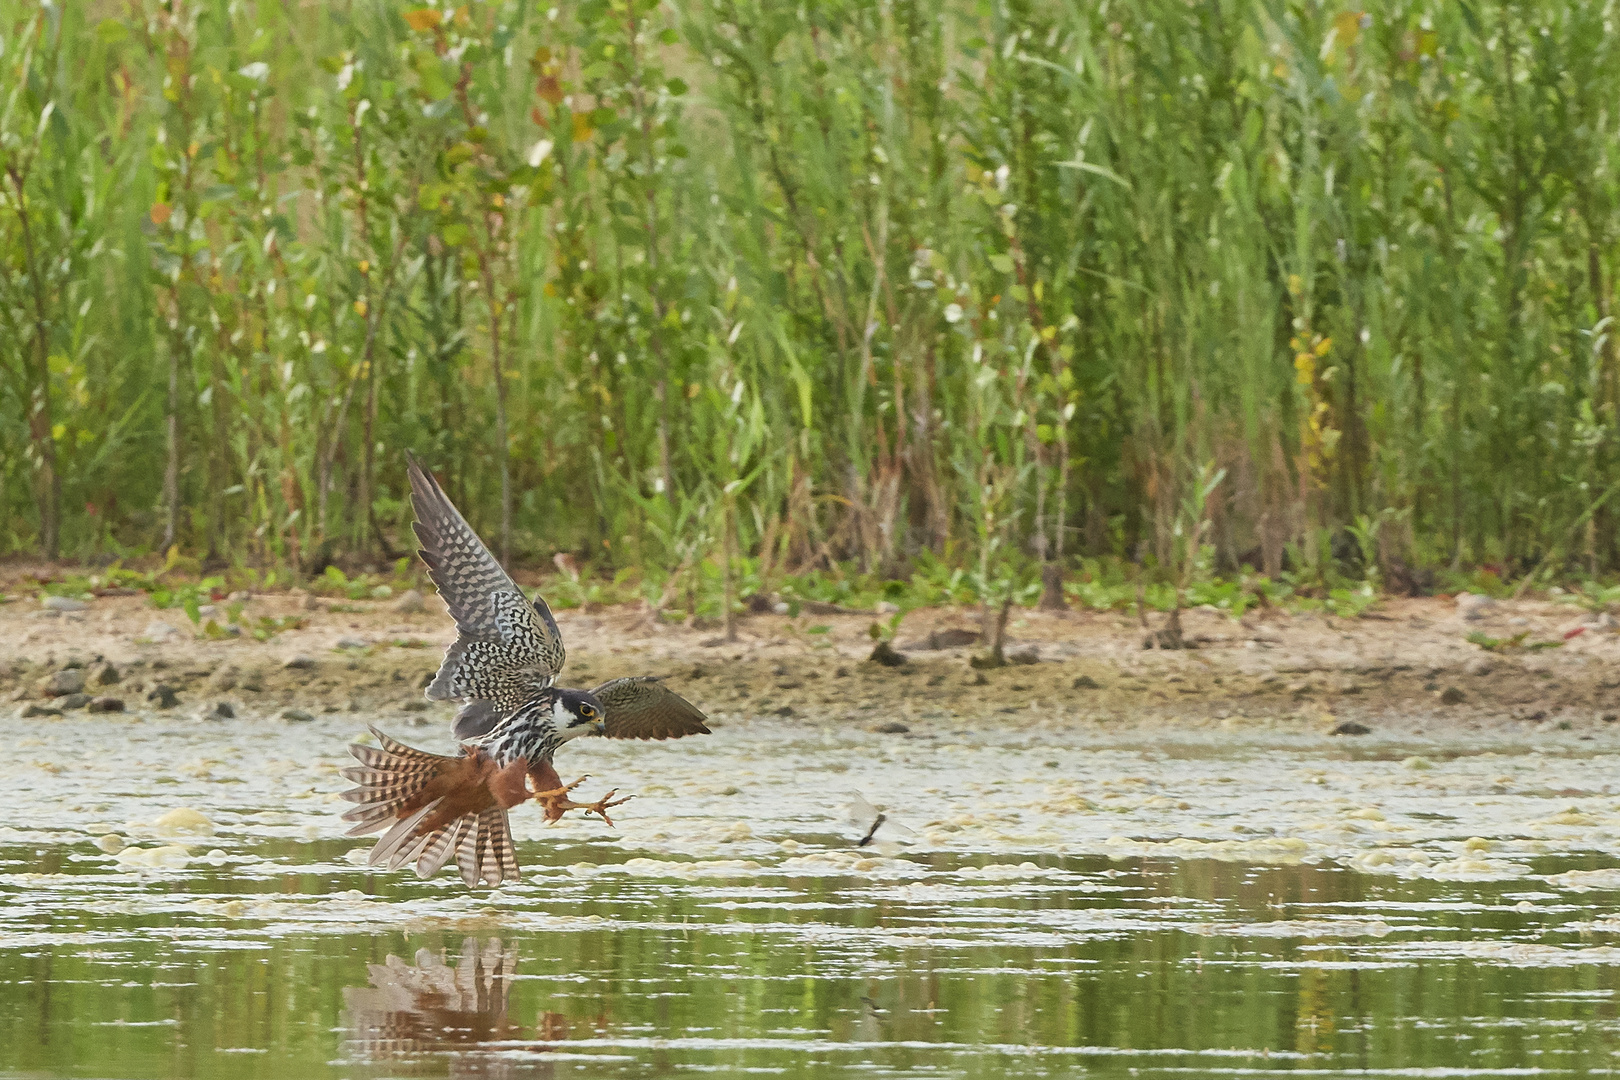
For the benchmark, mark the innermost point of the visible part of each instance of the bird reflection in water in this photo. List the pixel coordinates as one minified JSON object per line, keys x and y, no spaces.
{"x":428,"y":1008}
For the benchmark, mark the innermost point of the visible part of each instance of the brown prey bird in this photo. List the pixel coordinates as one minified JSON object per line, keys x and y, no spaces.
{"x":503,"y":665}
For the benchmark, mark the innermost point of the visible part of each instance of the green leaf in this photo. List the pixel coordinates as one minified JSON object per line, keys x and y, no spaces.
{"x":1086,"y":166}
{"x":1002,"y":263}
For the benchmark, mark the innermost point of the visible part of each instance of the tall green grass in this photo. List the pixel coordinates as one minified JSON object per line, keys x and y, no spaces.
{"x":1247,"y":281}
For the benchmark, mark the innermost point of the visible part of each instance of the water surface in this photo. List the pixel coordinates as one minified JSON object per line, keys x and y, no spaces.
{"x":1207,"y":904}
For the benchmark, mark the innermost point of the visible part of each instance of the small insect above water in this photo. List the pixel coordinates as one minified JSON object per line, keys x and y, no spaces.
{"x":877,"y":829}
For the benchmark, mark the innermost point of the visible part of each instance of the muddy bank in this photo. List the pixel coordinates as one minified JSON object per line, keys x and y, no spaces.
{"x":1413,"y":662}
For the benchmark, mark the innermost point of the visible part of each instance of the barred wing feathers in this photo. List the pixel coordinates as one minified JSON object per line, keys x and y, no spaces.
{"x":506,"y":647}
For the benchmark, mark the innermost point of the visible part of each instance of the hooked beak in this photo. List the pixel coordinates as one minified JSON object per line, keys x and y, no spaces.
{"x":599,"y":727}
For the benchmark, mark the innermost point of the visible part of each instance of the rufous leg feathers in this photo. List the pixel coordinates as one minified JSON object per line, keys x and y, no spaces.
{"x":436,"y":807}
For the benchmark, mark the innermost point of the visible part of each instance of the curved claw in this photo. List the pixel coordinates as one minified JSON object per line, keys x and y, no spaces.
{"x":600,"y":806}
{"x":557,"y":803}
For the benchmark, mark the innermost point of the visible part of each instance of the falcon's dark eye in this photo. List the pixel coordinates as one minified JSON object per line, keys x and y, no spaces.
{"x":587,"y":711}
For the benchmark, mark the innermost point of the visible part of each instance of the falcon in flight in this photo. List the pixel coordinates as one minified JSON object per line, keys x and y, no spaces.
{"x":503,"y":665}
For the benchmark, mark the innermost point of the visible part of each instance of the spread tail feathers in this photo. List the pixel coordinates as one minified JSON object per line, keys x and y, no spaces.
{"x":435,"y":808}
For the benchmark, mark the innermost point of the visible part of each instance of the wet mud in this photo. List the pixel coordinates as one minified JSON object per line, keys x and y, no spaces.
{"x":1413,"y":662}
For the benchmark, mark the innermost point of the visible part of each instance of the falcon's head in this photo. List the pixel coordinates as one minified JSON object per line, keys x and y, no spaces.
{"x":577,"y":712}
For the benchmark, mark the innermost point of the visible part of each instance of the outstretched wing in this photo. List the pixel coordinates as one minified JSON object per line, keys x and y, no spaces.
{"x":642,"y":707}
{"x":506,"y":648}
{"x":876,"y":828}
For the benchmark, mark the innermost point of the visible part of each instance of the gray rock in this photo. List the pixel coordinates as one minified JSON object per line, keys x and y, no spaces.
{"x":62,"y":603}
{"x":885,"y":655}
{"x":891,"y":727}
{"x":66,"y":682}
{"x":240,"y":596}
{"x":300,"y":663}
{"x":1479,"y":666}
{"x":31,"y":711}
{"x":951,"y":637}
{"x":223,"y":678}
{"x":1351,"y":727}
{"x":411,"y":602}
{"x":414,"y":705}
{"x":352,"y":643}
{"x":1473,"y":605}
{"x":1086,"y":682}
{"x":104,"y":675}
{"x":164,"y":696}
{"x":1452,"y":696}
{"x":885,"y":607}
{"x":73,"y":701}
{"x":299,"y":715}
{"x":219,"y":710}
{"x":106,"y":704}
{"x":159,"y":631}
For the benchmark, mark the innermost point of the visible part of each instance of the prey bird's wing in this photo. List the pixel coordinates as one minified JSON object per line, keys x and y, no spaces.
{"x":506,"y":648}
{"x":642,"y":707}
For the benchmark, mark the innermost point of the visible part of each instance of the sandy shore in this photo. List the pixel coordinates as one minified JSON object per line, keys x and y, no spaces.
{"x":1410,"y":663}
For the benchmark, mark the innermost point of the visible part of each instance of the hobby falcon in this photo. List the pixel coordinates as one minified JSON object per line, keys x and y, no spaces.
{"x":503,"y":666}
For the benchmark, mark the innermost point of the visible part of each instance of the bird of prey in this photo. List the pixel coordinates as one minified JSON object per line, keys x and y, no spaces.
{"x":503,"y":666}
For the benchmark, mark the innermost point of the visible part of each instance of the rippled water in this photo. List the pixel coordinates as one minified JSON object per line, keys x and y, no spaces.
{"x":1135,"y":904}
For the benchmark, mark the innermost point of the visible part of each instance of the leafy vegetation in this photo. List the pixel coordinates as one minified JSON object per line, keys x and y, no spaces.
{"x":1511,"y":644}
{"x":985,"y":297}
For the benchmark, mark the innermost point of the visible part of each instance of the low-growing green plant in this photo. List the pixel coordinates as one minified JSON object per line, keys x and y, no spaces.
{"x":1593,"y":596}
{"x":268,"y":626}
{"x":189,"y":596}
{"x":1352,"y":603}
{"x":1510,"y":644}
